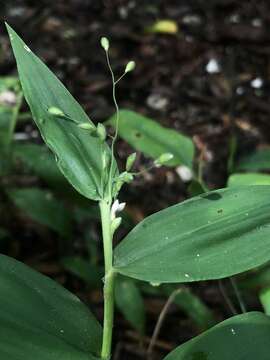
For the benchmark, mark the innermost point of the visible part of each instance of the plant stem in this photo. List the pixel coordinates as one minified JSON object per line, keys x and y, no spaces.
{"x":105,"y":211}
{"x":14,"y":118}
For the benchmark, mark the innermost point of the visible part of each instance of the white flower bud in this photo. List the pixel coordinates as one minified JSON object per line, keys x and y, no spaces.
{"x":116,"y":207}
{"x":105,"y":43}
{"x":130,"y":66}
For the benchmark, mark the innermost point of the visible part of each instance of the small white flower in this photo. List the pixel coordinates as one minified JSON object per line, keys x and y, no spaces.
{"x":116,"y":207}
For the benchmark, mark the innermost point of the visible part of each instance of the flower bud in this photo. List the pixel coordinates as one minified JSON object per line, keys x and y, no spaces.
{"x":101,"y":132}
{"x":163,"y":159}
{"x":130,"y":161}
{"x":115,"y":224}
{"x":53,"y":110}
{"x":86,"y":126}
{"x":125,"y":177}
{"x":105,"y":43}
{"x":130,"y":66}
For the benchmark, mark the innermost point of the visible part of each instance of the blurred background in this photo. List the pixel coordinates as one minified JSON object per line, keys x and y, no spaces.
{"x":203,"y":70}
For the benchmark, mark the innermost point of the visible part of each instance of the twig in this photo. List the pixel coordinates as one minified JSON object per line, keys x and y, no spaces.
{"x":238,"y":295}
{"x":160,"y":321}
{"x":227,"y":298}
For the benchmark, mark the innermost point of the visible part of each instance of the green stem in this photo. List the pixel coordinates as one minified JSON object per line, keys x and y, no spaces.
{"x":117,"y":121}
{"x":14,"y":118}
{"x":105,"y":211}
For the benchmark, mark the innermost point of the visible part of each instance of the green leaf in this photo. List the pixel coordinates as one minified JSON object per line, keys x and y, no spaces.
{"x":129,"y":301}
{"x":249,"y":179}
{"x":39,"y":159}
{"x":153,"y":139}
{"x":265,"y":299}
{"x":42,"y":207}
{"x":259,"y":160}
{"x":41,"y":320}
{"x":211,"y":236}
{"x":79,"y":154}
{"x":90,"y":274}
{"x":242,"y":337}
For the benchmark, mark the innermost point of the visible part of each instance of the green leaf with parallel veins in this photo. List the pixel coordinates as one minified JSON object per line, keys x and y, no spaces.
{"x":249,"y":179}
{"x":129,"y":301}
{"x":242,"y":337}
{"x":259,"y":160}
{"x":153,"y":139}
{"x":39,"y":159}
{"x":39,"y":319}
{"x":265,"y":299}
{"x":79,"y":153}
{"x":86,"y":271}
{"x":211,"y":236}
{"x":42,"y":207}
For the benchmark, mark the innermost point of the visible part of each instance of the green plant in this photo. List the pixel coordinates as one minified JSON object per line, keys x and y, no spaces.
{"x":211,"y":236}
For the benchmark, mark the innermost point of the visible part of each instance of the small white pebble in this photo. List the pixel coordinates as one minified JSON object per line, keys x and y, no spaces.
{"x":157,"y":102}
{"x":191,"y":19}
{"x":184,"y":173}
{"x":186,"y":275}
{"x":257,"y":22}
{"x":234,"y":18}
{"x":256,"y":83}
{"x":213,"y":66}
{"x":240,"y":90}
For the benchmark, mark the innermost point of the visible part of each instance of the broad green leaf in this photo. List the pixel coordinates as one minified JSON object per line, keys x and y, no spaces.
{"x":256,"y":279}
{"x":129,"y":301}
{"x":79,"y":154}
{"x":249,"y":179}
{"x":90,"y":274}
{"x":265,"y":299}
{"x":259,"y":160}
{"x":40,"y":160}
{"x":211,"y":236}
{"x":44,"y":208}
{"x":153,"y":139}
{"x":39,"y":319}
{"x":242,"y":337}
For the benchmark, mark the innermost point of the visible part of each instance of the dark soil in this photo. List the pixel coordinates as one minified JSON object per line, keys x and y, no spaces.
{"x":176,"y":82}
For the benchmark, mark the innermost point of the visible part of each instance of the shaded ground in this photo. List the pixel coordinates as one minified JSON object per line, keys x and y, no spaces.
{"x":210,"y":81}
